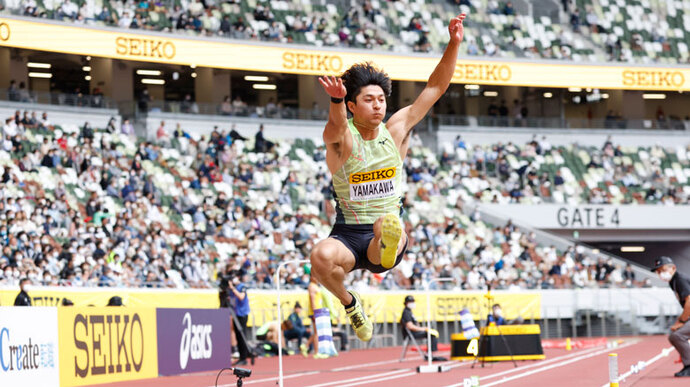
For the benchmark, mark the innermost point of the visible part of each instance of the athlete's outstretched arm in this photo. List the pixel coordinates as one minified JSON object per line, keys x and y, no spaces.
{"x":405,"y":119}
{"x":336,"y":127}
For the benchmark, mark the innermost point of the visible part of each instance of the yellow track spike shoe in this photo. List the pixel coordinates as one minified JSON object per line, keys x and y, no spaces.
{"x":359,"y":320}
{"x":391,"y":232}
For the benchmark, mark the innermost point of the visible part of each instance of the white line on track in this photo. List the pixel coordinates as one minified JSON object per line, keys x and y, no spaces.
{"x":548,"y":367}
{"x":367,"y":377}
{"x":522,"y":368}
{"x":391,"y":377}
{"x":664,"y":352}
{"x":345,"y":368}
{"x":370,"y":381}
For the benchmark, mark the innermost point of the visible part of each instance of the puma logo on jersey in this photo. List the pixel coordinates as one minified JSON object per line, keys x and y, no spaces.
{"x":383,"y":142}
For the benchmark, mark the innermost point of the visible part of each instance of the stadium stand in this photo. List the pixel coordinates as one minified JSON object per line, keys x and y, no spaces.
{"x":87,"y":206}
{"x":538,"y":172}
{"x":646,"y":31}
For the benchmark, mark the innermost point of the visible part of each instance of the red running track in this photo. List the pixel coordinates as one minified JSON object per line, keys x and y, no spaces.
{"x":380,"y":367}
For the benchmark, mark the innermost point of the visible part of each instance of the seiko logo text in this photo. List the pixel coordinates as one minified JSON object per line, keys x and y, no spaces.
{"x":195,"y":342}
{"x":379,"y":174}
{"x":110,"y":344}
{"x":653,"y":78}
{"x":4,"y":31}
{"x":149,"y":48}
{"x":312,"y":62}
{"x":482,"y":72}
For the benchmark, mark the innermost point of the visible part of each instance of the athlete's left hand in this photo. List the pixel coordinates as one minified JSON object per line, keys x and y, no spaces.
{"x":456,"y":29}
{"x":676,"y":326}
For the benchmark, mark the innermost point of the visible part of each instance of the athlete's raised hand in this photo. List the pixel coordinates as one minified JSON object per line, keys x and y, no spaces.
{"x":333,"y":86}
{"x":456,"y":29}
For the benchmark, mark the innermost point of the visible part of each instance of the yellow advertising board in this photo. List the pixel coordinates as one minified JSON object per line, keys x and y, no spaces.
{"x":231,"y":54}
{"x":108,"y":344}
{"x":131,"y":297}
{"x":388,"y":306}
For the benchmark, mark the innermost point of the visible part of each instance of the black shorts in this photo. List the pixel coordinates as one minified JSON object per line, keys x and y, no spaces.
{"x":356,"y":237}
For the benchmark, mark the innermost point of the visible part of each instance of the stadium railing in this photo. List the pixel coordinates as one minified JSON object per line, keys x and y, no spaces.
{"x":62,"y":99}
{"x":563,"y":123}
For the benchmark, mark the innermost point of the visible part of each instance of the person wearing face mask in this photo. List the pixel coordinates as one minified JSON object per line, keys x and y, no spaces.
{"x":680,"y":330}
{"x":23,"y":298}
{"x":496,"y":316}
{"x":412,"y":327}
{"x":237,"y":299}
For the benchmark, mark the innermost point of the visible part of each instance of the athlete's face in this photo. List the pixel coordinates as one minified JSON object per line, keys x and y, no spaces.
{"x":370,"y":107}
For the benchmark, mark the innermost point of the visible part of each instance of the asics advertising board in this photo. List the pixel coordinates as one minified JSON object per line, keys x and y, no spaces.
{"x":28,"y":346}
{"x":191,"y":340}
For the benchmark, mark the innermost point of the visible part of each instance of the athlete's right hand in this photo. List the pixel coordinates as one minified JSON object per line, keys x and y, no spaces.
{"x":333,"y":86}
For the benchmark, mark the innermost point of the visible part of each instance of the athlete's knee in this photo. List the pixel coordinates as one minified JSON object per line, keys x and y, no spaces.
{"x":323,"y":256}
{"x":674,"y":337}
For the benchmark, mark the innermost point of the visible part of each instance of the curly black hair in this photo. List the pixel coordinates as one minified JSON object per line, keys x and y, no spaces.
{"x":364,"y":74}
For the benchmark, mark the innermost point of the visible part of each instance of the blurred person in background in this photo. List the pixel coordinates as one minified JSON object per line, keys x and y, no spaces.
{"x":23,"y":298}
{"x":680,"y":330}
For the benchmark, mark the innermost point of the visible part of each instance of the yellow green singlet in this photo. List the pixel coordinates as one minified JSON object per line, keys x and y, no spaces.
{"x":369,"y":184}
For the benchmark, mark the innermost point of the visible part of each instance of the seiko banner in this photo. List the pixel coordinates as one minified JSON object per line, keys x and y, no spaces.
{"x":191,"y":340}
{"x":28,"y":347}
{"x":146,"y":46}
{"x":584,"y":217}
{"x":105,"y":345}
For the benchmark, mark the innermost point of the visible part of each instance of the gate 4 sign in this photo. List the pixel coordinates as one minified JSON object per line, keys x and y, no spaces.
{"x":588,"y":217}
{"x":28,"y":347}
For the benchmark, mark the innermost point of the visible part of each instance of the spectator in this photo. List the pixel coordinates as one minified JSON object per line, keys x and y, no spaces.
{"x":293,"y":328}
{"x":508,"y":9}
{"x":262,"y":145}
{"x":13,"y":92}
{"x":226,"y":106}
{"x":144,"y":99}
{"x":240,"y":305}
{"x":496,"y":315}
{"x":23,"y":298}
{"x":162,"y":136}
{"x":410,"y":326}
{"x":186,"y":105}
{"x":127,"y":129}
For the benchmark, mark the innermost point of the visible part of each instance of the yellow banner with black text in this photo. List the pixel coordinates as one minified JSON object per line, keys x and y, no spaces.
{"x":131,"y":297}
{"x":227,"y":54}
{"x":388,"y":306}
{"x":108,"y":344}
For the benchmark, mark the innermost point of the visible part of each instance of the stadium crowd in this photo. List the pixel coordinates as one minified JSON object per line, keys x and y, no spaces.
{"x":591,"y":30}
{"x":101,"y":207}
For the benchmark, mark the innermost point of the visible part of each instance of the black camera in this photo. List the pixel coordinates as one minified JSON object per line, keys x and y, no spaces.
{"x":241,"y":372}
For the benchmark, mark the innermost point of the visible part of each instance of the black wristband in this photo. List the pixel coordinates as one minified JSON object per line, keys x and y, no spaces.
{"x":681,"y":321}
{"x":336,"y":100}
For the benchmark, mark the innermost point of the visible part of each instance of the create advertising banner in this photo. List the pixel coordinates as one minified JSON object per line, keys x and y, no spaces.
{"x":28,"y":347}
{"x":192,"y":340}
{"x":133,"y":297}
{"x":387,"y":306}
{"x":108,"y":344}
{"x":148,"y":46}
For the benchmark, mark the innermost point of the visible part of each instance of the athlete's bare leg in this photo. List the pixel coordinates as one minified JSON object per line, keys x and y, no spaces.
{"x":330,"y":262}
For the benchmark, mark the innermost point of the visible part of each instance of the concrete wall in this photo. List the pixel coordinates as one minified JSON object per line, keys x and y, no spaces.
{"x":587,"y":137}
{"x":197,"y":125}
{"x":63,"y":115}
